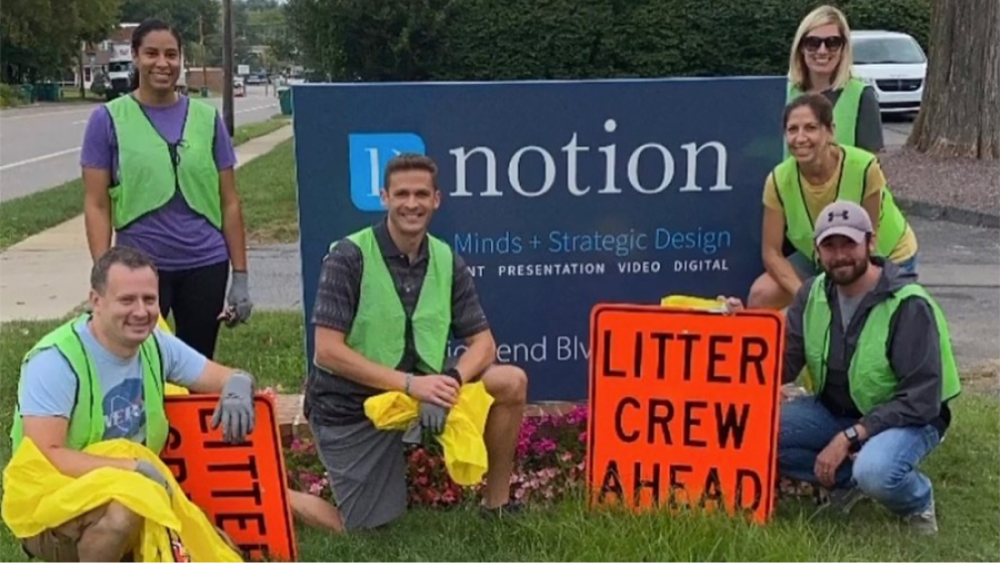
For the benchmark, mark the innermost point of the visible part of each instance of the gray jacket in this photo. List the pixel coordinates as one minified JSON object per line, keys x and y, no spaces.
{"x":914,"y":354}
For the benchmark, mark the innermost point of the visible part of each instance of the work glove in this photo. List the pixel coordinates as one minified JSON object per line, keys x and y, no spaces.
{"x":238,"y":304}
{"x":432,"y":417}
{"x":148,"y":470}
{"x":235,"y":409}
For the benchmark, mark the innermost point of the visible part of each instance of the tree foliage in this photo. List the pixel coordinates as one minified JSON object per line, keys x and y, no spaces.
{"x":566,"y":39}
{"x":264,"y":25}
{"x":372,"y":39}
{"x":190,"y":17}
{"x":41,"y":38}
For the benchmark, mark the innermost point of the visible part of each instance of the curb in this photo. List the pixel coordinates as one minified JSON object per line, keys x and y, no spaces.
{"x":948,"y":213}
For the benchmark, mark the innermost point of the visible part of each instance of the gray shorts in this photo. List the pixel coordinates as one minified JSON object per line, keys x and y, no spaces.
{"x":367,"y":472}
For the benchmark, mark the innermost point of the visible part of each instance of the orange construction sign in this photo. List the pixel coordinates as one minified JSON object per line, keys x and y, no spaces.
{"x":684,"y":409}
{"x":241,"y":487}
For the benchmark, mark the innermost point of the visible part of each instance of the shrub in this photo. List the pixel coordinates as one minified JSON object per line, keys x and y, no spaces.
{"x":10,"y":95}
{"x":568,"y":39}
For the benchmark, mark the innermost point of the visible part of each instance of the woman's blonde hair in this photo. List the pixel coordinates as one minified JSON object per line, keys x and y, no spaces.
{"x":798,"y":73}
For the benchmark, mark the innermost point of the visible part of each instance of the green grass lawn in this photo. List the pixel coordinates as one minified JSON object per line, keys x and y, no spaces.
{"x":269,"y":198}
{"x":72,"y":94}
{"x":25,"y":216}
{"x":964,"y":470}
{"x":258,"y":129}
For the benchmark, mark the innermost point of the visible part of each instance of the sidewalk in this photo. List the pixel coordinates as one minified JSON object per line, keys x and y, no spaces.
{"x":46,"y":276}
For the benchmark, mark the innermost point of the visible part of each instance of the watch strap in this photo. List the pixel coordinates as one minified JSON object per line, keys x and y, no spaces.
{"x":453,"y":373}
{"x":852,"y":437}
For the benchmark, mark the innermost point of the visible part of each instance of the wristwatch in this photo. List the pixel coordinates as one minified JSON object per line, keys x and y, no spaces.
{"x":852,"y":437}
{"x":453,"y":373}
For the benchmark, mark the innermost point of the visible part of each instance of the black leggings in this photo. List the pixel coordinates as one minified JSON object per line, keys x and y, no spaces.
{"x":196,"y":296}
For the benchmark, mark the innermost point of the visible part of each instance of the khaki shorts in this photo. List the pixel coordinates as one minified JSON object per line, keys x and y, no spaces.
{"x":59,"y":543}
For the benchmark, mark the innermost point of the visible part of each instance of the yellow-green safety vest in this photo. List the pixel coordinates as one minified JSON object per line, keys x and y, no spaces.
{"x":852,"y":178}
{"x":151,"y":171}
{"x":86,"y":425}
{"x":871,"y":379}
{"x":380,"y":324}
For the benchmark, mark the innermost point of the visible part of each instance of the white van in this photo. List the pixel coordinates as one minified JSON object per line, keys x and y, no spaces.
{"x":894,"y":64}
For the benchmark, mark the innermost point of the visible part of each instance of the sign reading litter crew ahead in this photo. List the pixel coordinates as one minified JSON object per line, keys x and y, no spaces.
{"x":558,"y":195}
{"x":683,"y":409}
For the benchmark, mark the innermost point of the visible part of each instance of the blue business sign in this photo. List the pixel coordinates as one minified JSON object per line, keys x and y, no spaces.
{"x":558,"y":195}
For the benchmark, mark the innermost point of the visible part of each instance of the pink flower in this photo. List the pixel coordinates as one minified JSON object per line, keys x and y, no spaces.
{"x":549,"y":464}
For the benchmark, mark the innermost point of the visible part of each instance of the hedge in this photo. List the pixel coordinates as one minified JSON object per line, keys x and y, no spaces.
{"x":569,"y":39}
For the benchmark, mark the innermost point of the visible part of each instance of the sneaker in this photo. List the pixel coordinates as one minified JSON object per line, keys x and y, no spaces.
{"x":512,"y":508}
{"x":923,"y":522}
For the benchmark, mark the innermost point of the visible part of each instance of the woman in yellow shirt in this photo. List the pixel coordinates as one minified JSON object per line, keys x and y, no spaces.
{"x":818,"y":172}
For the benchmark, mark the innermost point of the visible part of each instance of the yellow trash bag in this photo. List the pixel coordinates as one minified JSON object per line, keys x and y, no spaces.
{"x":462,"y":439}
{"x":693,"y":303}
{"x":170,"y":388}
{"x":38,"y":497}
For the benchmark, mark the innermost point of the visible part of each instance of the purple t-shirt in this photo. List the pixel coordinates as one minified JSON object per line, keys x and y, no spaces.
{"x":174,"y":236}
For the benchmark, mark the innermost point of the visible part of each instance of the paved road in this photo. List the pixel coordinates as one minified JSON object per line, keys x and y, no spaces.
{"x":895,"y":130}
{"x":40,"y":146}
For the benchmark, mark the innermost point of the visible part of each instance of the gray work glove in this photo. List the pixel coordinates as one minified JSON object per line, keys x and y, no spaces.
{"x":235,"y":409}
{"x":148,"y":470}
{"x":432,"y":417}
{"x":238,"y":304}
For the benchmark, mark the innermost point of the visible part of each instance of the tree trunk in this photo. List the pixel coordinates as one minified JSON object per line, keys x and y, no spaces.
{"x":960,"y":113}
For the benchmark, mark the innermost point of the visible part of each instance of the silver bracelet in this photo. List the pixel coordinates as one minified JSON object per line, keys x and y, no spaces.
{"x":406,"y":388}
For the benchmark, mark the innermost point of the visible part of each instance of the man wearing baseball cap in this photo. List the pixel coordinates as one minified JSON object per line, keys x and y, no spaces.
{"x":879,"y":352}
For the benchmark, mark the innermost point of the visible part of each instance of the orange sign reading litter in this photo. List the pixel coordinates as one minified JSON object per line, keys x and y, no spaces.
{"x":683,"y":408}
{"x":241,"y":487}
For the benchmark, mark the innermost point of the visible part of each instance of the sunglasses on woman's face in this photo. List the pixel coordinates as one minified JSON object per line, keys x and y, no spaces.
{"x":833,"y":43}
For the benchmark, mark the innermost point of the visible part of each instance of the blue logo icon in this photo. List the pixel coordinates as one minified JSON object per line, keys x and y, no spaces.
{"x":369,"y":155}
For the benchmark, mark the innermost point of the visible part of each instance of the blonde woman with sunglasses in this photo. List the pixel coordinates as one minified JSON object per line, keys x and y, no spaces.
{"x":820,"y":63}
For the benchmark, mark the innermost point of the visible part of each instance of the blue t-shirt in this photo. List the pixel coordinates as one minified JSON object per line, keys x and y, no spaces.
{"x":48,"y":384}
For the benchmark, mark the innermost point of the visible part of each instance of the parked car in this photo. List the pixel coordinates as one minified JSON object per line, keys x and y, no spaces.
{"x":895,"y":64}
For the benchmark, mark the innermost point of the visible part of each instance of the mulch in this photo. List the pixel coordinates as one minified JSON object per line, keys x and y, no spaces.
{"x":971,"y":185}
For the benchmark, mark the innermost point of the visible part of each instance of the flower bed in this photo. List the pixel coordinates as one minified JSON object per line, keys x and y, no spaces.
{"x":549,"y":466}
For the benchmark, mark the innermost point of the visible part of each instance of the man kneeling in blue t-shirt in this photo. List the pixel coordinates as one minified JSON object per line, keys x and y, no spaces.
{"x":100,"y":377}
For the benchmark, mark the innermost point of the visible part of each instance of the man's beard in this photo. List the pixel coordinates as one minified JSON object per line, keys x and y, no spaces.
{"x":846,"y":276}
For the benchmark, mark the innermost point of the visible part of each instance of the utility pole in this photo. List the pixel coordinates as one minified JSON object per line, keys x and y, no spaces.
{"x":204,"y":53}
{"x":83,"y":87}
{"x":227,"y":64}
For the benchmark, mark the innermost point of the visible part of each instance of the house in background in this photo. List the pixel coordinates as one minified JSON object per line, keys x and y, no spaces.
{"x":103,"y":57}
